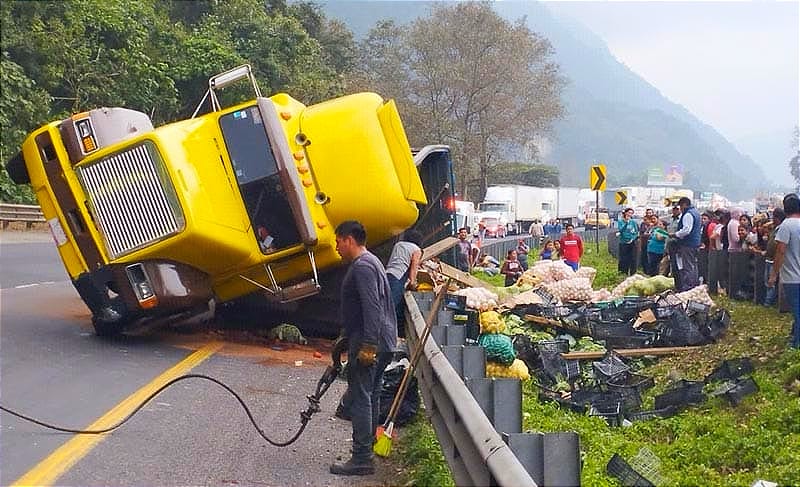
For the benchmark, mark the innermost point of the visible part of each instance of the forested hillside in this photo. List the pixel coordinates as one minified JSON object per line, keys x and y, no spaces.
{"x":611,"y":114}
{"x":154,"y":56}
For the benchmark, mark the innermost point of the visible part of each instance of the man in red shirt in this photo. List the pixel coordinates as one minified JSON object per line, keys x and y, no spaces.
{"x":571,"y":247}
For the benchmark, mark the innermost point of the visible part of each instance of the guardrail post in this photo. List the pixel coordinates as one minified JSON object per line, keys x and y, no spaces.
{"x":475,"y":452}
{"x":500,"y":400}
{"x":552,"y":459}
{"x":456,"y":335}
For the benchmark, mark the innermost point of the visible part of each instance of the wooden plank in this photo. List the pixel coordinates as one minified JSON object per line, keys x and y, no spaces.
{"x":541,"y":320}
{"x":464,"y":277}
{"x":629,"y":352}
{"x":437,"y":248}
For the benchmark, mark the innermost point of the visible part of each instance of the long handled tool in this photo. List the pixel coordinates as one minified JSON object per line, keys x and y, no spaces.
{"x":383,"y":443}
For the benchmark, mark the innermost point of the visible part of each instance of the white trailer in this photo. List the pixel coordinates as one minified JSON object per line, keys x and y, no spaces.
{"x":518,"y":206}
{"x":568,"y":207}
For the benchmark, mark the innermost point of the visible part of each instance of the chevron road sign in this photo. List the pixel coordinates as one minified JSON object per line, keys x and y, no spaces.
{"x":621,"y":197}
{"x":597,"y":177}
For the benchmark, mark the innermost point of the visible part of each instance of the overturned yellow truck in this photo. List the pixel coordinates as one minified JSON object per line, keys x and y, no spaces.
{"x":159,"y":224}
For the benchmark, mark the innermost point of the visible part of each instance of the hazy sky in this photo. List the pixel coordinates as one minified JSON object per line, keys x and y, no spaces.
{"x":735,"y":65}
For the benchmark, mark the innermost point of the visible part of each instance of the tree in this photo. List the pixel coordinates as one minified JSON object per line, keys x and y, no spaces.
{"x":23,"y":105}
{"x":540,"y":175}
{"x":465,"y":77}
{"x":794,"y":162}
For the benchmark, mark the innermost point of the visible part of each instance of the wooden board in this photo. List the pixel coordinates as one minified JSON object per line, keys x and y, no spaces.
{"x":437,"y":248}
{"x":464,"y":277}
{"x":628,"y":352}
{"x":541,"y":320}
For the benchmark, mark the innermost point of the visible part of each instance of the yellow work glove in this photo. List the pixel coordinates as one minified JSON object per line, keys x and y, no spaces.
{"x":367,"y":354}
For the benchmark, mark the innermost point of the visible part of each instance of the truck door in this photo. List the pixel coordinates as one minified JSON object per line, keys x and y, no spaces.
{"x":265,"y":196}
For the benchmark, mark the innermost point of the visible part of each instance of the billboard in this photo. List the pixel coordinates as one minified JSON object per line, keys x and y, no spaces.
{"x":669,"y":175}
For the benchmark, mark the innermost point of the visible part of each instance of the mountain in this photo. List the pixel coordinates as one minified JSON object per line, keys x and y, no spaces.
{"x":613,"y":116}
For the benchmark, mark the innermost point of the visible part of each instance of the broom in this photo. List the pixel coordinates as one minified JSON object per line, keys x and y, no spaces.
{"x":383,"y":442}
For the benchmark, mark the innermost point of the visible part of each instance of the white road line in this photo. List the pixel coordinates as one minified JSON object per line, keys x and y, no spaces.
{"x":23,"y":286}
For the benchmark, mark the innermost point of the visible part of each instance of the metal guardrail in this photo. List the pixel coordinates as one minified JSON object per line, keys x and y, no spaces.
{"x":478,"y":420}
{"x":29,"y":214}
{"x":499,"y":248}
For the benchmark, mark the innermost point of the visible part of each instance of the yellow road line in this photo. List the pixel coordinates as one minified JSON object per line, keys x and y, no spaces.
{"x":68,"y":454}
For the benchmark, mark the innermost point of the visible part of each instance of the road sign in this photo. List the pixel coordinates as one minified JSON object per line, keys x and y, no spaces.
{"x":597,"y":177}
{"x":622,"y":197}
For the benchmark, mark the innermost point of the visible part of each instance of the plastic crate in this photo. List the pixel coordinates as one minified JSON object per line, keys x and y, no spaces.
{"x":612,"y":367}
{"x":741,"y":389}
{"x":558,"y":345}
{"x":640,"y":339}
{"x":619,"y":468}
{"x":546,"y":296}
{"x":666,"y":412}
{"x":564,"y":402}
{"x":665,"y":311}
{"x":455,"y":302}
{"x":679,"y":330}
{"x":637,"y":304}
{"x":605,"y":329}
{"x":648,"y":465}
{"x":681,"y":393}
{"x":572,"y":369}
{"x":610,"y":411}
{"x":637,"y":382}
{"x":697,"y":307}
{"x":723,"y":317}
{"x":578,"y":326}
{"x":617,"y":313}
{"x":556,"y":368}
{"x":731,"y":369}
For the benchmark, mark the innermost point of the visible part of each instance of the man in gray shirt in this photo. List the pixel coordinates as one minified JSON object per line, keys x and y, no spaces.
{"x":368,"y":318}
{"x":787,"y":261}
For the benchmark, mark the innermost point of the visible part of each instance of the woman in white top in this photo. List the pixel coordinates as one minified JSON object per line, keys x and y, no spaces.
{"x":401,"y":270}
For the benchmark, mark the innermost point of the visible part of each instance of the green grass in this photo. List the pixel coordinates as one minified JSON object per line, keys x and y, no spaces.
{"x":711,"y":444}
{"x":420,"y":456}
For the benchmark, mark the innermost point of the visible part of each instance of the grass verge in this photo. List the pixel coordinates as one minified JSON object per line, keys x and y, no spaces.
{"x":711,"y":444}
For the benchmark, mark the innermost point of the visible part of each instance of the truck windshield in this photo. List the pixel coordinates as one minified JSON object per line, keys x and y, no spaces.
{"x":493,"y":207}
{"x":259,"y":182}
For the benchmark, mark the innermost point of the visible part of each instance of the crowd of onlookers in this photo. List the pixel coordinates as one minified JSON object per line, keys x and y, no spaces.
{"x":718,"y":248}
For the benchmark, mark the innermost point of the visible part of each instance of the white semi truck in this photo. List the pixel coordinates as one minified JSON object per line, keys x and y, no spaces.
{"x":517,"y":206}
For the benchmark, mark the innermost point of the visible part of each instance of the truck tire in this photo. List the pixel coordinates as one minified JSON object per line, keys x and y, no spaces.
{"x":104,"y":328}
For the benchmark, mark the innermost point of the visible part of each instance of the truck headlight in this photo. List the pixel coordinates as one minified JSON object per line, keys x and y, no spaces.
{"x":141,"y":286}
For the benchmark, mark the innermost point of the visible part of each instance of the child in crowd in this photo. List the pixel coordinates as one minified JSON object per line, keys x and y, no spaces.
{"x":548,"y":251}
{"x":511,"y":268}
{"x":522,"y":254}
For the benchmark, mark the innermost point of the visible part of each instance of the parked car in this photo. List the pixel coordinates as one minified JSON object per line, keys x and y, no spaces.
{"x":494,"y":229}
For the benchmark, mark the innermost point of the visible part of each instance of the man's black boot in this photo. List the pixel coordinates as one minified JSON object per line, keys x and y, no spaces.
{"x":341,"y":413}
{"x":351,"y":467}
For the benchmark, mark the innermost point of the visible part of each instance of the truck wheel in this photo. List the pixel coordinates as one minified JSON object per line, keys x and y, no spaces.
{"x":103,"y":328}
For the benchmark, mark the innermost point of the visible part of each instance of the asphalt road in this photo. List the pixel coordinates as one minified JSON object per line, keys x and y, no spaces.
{"x":54,"y":368}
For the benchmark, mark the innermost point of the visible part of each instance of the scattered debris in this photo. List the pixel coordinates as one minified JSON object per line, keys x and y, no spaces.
{"x":287,"y":333}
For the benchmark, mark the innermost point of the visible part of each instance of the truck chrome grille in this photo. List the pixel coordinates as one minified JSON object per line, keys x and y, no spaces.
{"x":132,"y":199}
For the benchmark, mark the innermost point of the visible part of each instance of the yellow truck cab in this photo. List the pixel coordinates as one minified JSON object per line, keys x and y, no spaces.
{"x":159,"y":223}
